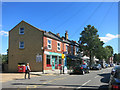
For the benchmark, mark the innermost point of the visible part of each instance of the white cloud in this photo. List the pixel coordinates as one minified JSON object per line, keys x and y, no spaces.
{"x":4,"y":53}
{"x":109,"y":37}
{"x":3,"y":33}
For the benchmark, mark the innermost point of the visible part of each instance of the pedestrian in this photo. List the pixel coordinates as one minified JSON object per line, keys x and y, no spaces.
{"x":27,"y":71}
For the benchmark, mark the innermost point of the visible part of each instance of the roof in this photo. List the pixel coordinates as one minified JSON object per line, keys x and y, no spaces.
{"x":56,"y":37}
{"x":50,"y":34}
{"x":27,"y":24}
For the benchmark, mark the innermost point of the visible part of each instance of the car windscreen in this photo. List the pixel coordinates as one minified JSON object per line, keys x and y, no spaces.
{"x":117,"y":67}
{"x":96,"y":64}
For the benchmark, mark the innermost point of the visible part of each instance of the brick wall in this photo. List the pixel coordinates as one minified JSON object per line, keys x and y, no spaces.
{"x":33,"y":41}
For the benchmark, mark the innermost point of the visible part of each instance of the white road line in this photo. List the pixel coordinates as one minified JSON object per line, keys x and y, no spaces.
{"x":84,"y":84}
{"x":96,"y":77}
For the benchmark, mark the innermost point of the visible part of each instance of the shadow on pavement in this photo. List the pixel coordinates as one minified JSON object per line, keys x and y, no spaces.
{"x":75,"y":74}
{"x":106,"y":77}
{"x":74,"y":87}
{"x":19,"y":79}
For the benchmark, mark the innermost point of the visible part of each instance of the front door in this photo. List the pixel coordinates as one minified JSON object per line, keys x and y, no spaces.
{"x":53,"y":63}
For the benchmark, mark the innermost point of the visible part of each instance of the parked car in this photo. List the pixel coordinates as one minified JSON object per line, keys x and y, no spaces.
{"x":96,"y":67}
{"x":81,"y":69}
{"x":106,"y":65}
{"x":114,"y":83}
{"x":111,"y":65}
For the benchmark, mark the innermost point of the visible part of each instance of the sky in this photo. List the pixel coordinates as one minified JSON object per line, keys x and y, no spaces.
{"x":58,"y":17}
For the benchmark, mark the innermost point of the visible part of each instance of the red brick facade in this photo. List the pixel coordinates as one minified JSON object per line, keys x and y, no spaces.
{"x":53,"y":49}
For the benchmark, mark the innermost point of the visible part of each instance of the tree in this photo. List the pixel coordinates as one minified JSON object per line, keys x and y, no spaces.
{"x":116,"y":58}
{"x":108,"y":53}
{"x":4,"y":58}
{"x":90,"y":43}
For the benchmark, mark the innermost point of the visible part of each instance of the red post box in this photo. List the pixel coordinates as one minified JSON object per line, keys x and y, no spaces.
{"x":21,"y":67}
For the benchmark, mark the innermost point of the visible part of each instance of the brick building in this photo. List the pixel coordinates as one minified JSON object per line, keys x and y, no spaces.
{"x":43,"y":50}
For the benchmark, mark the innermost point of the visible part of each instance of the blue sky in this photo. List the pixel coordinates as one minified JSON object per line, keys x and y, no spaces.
{"x":58,"y":17}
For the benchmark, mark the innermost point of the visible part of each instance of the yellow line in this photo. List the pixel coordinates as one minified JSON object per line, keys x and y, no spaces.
{"x":27,"y":88}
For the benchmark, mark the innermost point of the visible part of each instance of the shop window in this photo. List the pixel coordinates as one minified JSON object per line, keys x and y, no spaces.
{"x":48,"y":60}
{"x":21,"y":31}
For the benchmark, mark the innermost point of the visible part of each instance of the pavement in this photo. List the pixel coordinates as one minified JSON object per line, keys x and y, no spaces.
{"x":12,"y":76}
{"x":96,"y":79}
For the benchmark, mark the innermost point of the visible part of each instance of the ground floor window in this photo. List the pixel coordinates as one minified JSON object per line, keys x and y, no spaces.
{"x":48,"y":60}
{"x":57,"y":61}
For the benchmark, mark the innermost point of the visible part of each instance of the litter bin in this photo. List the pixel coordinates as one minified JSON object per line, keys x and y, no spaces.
{"x":21,"y":67}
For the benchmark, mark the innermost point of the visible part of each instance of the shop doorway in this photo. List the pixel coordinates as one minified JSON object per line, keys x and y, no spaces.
{"x":53,"y":62}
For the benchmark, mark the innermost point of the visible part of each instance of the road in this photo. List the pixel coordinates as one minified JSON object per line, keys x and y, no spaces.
{"x":96,"y":79}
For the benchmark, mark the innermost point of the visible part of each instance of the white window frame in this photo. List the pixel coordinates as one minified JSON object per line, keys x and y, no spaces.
{"x":20,"y":45}
{"x":58,"y":46}
{"x":67,"y":47}
{"x":48,"y":43}
{"x":20,"y":31}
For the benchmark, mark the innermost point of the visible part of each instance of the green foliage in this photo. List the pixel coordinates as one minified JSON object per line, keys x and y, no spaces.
{"x":4,"y":59}
{"x":90,"y":42}
{"x":116,"y":58}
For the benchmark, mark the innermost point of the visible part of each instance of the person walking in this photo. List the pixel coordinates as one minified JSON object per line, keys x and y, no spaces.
{"x":27,"y":71}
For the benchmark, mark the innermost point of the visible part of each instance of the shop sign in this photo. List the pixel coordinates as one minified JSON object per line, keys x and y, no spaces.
{"x":52,"y":53}
{"x":38,"y":58}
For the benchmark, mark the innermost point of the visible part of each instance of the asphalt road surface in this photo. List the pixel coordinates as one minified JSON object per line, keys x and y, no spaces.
{"x":96,"y":79}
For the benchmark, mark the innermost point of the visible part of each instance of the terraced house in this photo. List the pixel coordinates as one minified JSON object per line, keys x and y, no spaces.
{"x":43,"y":50}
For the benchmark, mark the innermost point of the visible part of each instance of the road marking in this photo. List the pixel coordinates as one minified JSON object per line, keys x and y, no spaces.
{"x":84,"y":84}
{"x":96,"y":77}
{"x":34,"y":86}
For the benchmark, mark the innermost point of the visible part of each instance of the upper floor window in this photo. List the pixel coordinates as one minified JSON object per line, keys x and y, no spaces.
{"x":66,"y":47}
{"x":77,"y":49}
{"x":72,"y":49}
{"x":21,"y":31}
{"x":49,"y":44}
{"x":21,"y":45}
{"x":58,"y":46}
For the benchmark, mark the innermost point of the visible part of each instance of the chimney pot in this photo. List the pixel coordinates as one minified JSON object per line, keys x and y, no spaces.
{"x":66,"y":35}
{"x":58,"y":34}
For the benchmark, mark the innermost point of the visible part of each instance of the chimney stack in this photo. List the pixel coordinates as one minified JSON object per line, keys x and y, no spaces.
{"x":58,"y":34}
{"x":62,"y":38}
{"x":66,"y":35}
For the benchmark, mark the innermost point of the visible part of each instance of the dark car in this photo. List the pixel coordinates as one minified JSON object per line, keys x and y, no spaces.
{"x":81,"y":69}
{"x":114,"y":83}
{"x":96,"y":67}
{"x":106,"y":65}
